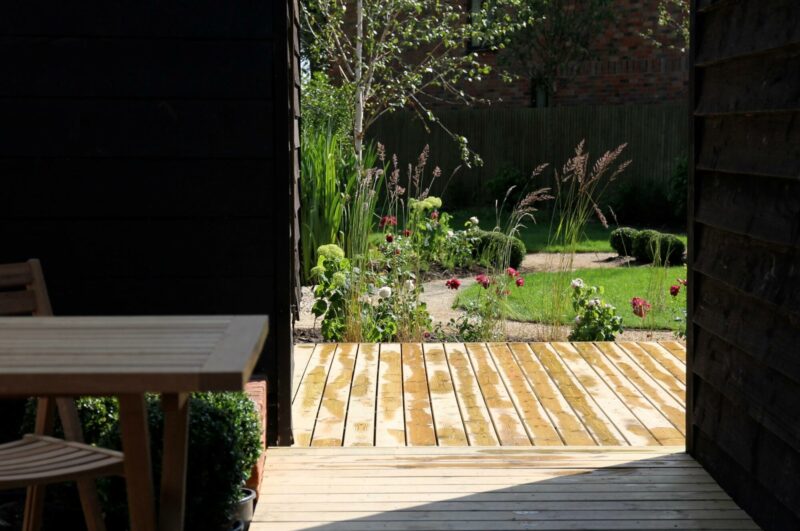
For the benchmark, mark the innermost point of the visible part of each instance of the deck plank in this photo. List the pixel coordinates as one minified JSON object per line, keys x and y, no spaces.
{"x":329,"y":429}
{"x":450,"y":429}
{"x":309,"y":393}
{"x":506,"y":419}
{"x":663,"y":402}
{"x":571,"y":429}
{"x":676,"y":349}
{"x":360,"y":427}
{"x":405,"y":489}
{"x":477,"y":421}
{"x":390,"y":424}
{"x":302,"y":355}
{"x":648,"y":415}
{"x":419,"y":420}
{"x":666,"y":380}
{"x":537,"y":423}
{"x":666,"y":359}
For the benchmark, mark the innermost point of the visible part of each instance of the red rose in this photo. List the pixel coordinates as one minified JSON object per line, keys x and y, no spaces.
{"x":387,"y":220}
{"x":389,"y":238}
{"x":512,"y":272}
{"x":520,"y":282}
{"x":483,"y":280}
{"x":406,"y":233}
{"x":682,"y":281}
{"x":674,"y":290}
{"x":435,"y":214}
{"x":640,"y":307}
{"x":453,"y":283}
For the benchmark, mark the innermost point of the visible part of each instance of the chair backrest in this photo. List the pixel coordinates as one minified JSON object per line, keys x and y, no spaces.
{"x":22,"y":289}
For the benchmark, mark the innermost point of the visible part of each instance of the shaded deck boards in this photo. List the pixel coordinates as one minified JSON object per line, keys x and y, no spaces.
{"x":495,"y":394}
{"x":511,"y":488}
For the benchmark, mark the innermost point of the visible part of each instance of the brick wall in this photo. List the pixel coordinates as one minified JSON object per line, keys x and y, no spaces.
{"x":627,"y":68}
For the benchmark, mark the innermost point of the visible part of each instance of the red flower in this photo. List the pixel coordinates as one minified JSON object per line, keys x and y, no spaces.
{"x":387,"y":220}
{"x":483,"y":280}
{"x":512,"y":272}
{"x":682,"y":281}
{"x":406,"y":233}
{"x":390,"y":237}
{"x":640,"y":307}
{"x":397,"y":251}
{"x":674,"y":290}
{"x":435,"y":214}
{"x":520,"y":282}
{"x":453,"y":283}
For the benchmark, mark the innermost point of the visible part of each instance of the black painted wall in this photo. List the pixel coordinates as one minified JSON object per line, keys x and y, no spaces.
{"x":145,"y":157}
{"x":744,"y":345}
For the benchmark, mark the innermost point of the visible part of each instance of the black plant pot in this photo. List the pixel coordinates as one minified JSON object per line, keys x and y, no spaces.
{"x":238,"y":525}
{"x":244,"y":511}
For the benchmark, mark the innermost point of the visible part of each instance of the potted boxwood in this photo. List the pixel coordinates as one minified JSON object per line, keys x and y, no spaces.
{"x":224,"y":445}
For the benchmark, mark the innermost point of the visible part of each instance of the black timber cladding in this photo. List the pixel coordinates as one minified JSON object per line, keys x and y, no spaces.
{"x":743,"y":396}
{"x":145,"y":157}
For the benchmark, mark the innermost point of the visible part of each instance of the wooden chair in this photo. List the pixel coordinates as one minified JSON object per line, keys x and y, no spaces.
{"x":38,"y":459}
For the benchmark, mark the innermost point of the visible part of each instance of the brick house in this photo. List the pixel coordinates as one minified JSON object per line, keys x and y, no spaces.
{"x":627,"y":68}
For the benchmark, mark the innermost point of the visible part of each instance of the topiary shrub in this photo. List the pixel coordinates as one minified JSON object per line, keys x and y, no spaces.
{"x":224,"y":445}
{"x":492,"y":245}
{"x":621,"y":240}
{"x":644,"y":244}
{"x":650,"y":246}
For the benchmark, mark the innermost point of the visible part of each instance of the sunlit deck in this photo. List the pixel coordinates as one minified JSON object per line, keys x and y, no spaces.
{"x":500,"y":436}
{"x":497,"y":394}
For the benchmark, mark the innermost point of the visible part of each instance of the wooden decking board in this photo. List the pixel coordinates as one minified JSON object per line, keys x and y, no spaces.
{"x":390,"y":422}
{"x":450,"y":430}
{"x":405,"y":489}
{"x":499,"y":394}
{"x":505,"y":418}
{"x":477,"y":422}
{"x":302,"y":355}
{"x":360,"y":427}
{"x":419,"y":418}
{"x":535,"y":419}
{"x":657,"y":371}
{"x":329,"y":428}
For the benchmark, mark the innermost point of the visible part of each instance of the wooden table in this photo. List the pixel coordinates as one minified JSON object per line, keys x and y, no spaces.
{"x":127,"y":357}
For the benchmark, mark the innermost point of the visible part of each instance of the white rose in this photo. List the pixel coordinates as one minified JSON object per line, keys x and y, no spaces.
{"x":473,"y":220}
{"x":450,"y":234}
{"x":577,"y":319}
{"x":577,"y":283}
{"x":593,"y":302}
{"x":410,"y":285}
{"x":385,"y":292}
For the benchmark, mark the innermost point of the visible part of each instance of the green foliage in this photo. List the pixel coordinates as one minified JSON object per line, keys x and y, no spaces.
{"x":327,"y":175}
{"x":332,"y":275}
{"x":679,"y":191}
{"x":621,"y":240}
{"x":224,"y":445}
{"x":552,"y":34}
{"x":638,"y":203}
{"x":650,"y":246}
{"x":506,"y":178}
{"x":595,"y":319}
{"x":326,"y":107}
{"x":492,"y":246}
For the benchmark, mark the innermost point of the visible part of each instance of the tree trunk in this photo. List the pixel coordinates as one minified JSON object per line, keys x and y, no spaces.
{"x":358,"y":120}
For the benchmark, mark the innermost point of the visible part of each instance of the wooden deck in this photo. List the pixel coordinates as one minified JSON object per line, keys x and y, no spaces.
{"x":497,"y":394}
{"x":486,"y":437}
{"x":489,"y":489}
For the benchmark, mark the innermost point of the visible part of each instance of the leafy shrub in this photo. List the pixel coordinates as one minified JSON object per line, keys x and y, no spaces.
{"x":595,"y":320}
{"x":679,"y":190}
{"x":644,"y":245}
{"x":651,"y":246}
{"x":224,"y":445}
{"x":621,"y":240}
{"x":492,"y":244}
{"x":636,"y":203}
{"x":507,"y":177}
{"x":326,"y":106}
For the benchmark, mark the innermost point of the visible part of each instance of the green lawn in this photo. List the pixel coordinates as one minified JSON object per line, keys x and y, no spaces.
{"x":536,"y":235}
{"x":533,"y":301}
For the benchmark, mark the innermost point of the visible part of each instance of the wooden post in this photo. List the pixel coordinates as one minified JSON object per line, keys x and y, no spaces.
{"x":173,"y":473}
{"x":138,"y":468}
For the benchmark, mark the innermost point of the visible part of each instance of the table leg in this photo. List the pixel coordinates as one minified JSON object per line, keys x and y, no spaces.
{"x":138,"y":469}
{"x":173,"y":473}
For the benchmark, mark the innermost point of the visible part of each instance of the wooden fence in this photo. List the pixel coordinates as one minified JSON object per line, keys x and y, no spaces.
{"x":657,"y":135}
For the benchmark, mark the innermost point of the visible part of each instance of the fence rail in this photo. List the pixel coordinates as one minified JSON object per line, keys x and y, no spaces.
{"x":657,"y":134}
